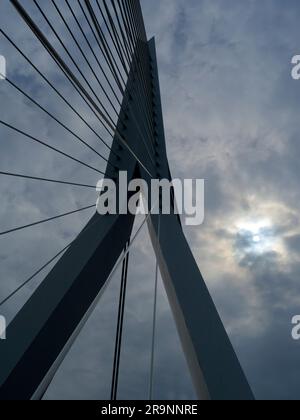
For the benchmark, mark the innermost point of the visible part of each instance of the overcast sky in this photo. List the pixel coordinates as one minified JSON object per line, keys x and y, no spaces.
{"x":231,"y":112}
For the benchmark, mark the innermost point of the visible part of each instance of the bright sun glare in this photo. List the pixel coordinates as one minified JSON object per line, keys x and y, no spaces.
{"x":259,"y":233}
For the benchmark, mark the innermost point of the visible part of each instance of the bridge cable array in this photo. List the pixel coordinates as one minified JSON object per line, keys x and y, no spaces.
{"x":120,"y":325}
{"x":121,"y":40}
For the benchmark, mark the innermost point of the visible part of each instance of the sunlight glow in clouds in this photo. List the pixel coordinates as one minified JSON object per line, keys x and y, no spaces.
{"x":258,"y":234}
{"x":254,"y":226}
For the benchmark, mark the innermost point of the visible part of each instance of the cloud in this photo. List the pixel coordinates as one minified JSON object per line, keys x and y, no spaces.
{"x":231,"y":117}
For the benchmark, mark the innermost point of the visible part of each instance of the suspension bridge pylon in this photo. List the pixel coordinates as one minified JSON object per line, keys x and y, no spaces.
{"x":43,"y":331}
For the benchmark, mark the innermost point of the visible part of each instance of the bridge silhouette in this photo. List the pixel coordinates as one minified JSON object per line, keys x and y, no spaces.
{"x":114,"y":54}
